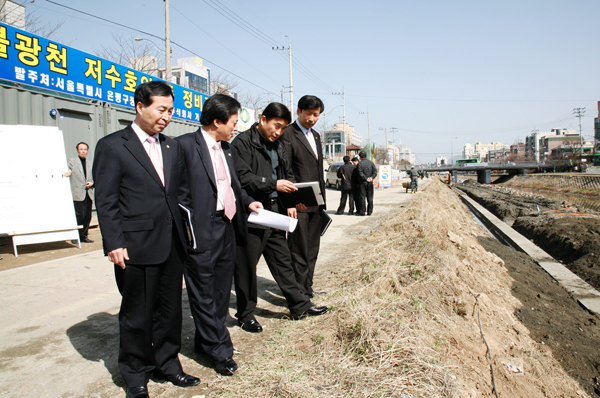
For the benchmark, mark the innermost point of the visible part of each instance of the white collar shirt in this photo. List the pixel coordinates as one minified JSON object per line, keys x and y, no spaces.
{"x":143,"y":136}
{"x":210,"y":143}
{"x":310,"y":137}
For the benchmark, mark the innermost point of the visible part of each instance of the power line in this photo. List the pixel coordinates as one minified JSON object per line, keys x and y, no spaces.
{"x":160,"y":38}
{"x":225,"y":47}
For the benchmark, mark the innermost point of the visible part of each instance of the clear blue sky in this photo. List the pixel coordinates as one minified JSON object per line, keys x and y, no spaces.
{"x":434,"y":69}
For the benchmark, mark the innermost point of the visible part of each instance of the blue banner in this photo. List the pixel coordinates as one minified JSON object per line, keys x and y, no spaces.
{"x":36,"y":61}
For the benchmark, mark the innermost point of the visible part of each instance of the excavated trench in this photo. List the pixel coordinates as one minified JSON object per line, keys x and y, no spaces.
{"x":568,"y":232}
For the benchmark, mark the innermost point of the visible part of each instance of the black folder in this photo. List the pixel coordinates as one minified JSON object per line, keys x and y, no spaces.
{"x":305,"y":194}
{"x":325,"y":222}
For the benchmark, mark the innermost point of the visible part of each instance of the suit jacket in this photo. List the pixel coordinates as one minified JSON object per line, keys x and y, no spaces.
{"x":134,"y":209}
{"x":305,"y":165}
{"x":366,"y":169}
{"x":345,"y":174}
{"x":78,"y":179}
{"x":200,"y":181}
{"x":255,"y":167}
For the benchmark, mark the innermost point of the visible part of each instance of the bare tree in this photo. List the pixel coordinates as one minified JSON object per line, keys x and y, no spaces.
{"x":223,"y":83}
{"x":142,"y":55}
{"x":32,"y":22}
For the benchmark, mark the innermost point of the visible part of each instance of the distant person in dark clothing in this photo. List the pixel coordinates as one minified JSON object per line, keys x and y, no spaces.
{"x":414,"y":179}
{"x":367,"y":171}
{"x":345,"y":174}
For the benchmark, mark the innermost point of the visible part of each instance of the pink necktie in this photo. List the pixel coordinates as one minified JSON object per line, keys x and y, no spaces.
{"x":224,"y":185}
{"x":155,"y":158}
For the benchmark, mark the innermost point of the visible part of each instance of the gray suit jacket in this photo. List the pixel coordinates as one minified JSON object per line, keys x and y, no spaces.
{"x":78,"y":179}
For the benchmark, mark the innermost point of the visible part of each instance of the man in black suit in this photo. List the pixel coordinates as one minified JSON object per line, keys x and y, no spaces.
{"x":345,"y":174}
{"x":137,"y":175}
{"x":367,"y":171}
{"x":305,"y":155}
{"x":265,"y":172}
{"x":219,"y":215}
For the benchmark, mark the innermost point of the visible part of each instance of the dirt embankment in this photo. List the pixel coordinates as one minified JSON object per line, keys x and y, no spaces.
{"x":408,"y":312}
{"x":568,"y":233}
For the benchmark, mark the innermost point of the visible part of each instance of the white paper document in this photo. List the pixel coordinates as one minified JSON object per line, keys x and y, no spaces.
{"x":273,"y":220}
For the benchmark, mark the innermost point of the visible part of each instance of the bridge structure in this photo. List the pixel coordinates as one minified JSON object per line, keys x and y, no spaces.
{"x":484,"y":170}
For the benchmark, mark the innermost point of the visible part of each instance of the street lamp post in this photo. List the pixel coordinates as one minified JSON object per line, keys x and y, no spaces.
{"x":167,"y":43}
{"x":368,"y":130}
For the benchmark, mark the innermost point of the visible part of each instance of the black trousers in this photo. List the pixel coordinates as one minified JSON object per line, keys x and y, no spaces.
{"x":347,"y":195}
{"x":304,"y":245}
{"x":83,"y":213}
{"x":208,"y":280}
{"x":150,"y":318}
{"x":366,"y":192}
{"x":271,"y":243}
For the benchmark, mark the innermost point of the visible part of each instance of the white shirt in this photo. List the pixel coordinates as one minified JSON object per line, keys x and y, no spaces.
{"x":311,"y":139}
{"x":143,"y":136}
{"x":210,"y":142}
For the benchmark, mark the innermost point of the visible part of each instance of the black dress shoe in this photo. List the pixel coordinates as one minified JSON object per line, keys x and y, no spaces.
{"x":359,"y":214}
{"x":312,"y":311}
{"x":86,"y":240}
{"x":227,"y":367}
{"x":137,"y":392}
{"x":181,"y":380}
{"x":251,"y":326}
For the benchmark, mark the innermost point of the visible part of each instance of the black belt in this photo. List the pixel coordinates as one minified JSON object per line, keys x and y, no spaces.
{"x":220,"y":213}
{"x":273,"y":201}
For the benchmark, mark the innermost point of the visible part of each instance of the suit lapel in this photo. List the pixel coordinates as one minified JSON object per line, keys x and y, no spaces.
{"x":135,"y":147}
{"x":204,"y":153}
{"x":302,"y":138}
{"x":167,"y":156}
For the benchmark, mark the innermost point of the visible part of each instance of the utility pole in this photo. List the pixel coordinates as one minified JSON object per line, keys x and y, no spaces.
{"x":343,"y":94}
{"x":386,"y":143}
{"x":370,"y":157}
{"x":393,"y":130}
{"x":578,"y":112}
{"x":167,"y":44}
{"x":536,"y":147}
{"x":289,"y":49}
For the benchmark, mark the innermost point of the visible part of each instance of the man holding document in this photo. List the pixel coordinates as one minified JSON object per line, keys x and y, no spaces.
{"x":264,"y":172}
{"x":305,"y":155}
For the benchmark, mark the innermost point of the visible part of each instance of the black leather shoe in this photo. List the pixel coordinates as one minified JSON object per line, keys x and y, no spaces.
{"x":184,"y":380}
{"x":312,"y":311}
{"x":137,"y":392}
{"x":87,"y":240}
{"x":226,"y":367}
{"x":251,"y":326}
{"x":359,"y":214}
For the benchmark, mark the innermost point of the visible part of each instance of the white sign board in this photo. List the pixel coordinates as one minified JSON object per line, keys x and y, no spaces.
{"x":35,"y":200}
{"x":246,"y":119}
{"x":385,"y":177}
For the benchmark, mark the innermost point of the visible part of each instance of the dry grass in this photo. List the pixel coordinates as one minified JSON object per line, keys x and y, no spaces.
{"x":402,"y":323}
{"x":374,"y":343}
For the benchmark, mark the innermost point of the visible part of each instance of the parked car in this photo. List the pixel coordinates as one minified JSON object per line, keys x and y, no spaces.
{"x":331,"y":178}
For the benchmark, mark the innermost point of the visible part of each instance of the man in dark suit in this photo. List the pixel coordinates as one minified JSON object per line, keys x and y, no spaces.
{"x":265,"y":172}
{"x":305,"y":155}
{"x":137,"y":175}
{"x":219,"y":214}
{"x":345,"y":174}
{"x":367,"y":171}
{"x":80,"y":177}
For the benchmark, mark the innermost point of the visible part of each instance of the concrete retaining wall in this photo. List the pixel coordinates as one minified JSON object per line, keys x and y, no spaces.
{"x":560,"y":182}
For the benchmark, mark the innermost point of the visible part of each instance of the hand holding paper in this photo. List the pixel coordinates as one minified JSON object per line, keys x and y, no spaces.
{"x":273,"y":220}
